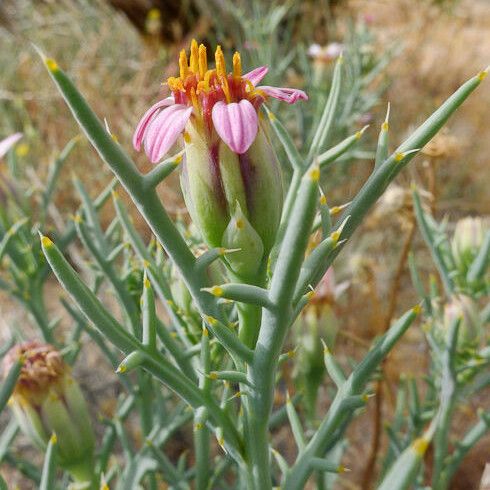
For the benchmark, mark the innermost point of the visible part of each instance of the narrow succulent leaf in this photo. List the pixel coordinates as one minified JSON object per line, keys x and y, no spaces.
{"x":115,"y":252}
{"x":243,"y":293}
{"x":292,"y":153}
{"x":434,"y":250}
{"x":130,"y":362}
{"x":329,"y":156}
{"x":295,"y":240}
{"x":97,"y":249}
{"x":325,"y":217}
{"x":281,"y":462}
{"x":204,"y":381}
{"x":333,"y":367}
{"x":48,"y":476}
{"x":135,"y":472}
{"x":7,"y":437}
{"x":481,"y":262}
{"x":229,"y":339}
{"x":325,"y":466}
{"x":9,"y":235}
{"x":149,"y":315}
{"x":202,"y":438}
{"x":8,"y":385}
{"x":466,"y":443}
{"x":312,"y":266}
{"x":169,"y":471}
{"x":163,"y":170}
{"x":232,"y":376}
{"x":327,"y":117}
{"x":383,"y":141}
{"x":90,"y":216}
{"x":295,"y":423}
{"x":404,"y":471}
{"x":55,"y":170}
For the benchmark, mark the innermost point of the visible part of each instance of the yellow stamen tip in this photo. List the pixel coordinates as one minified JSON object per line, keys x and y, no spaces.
{"x":482,"y":75}
{"x":147,"y":283}
{"x":399,"y":157}
{"x":272,"y":116}
{"x":203,"y":60}
{"x":187,"y":137}
{"x":213,"y":375}
{"x":51,"y":64}
{"x":323,"y":200}
{"x":385,"y":126}
{"x":183,"y":64}
{"x":53,"y":439}
{"x":335,"y":210}
{"x":237,"y":65}
{"x":240,"y":224}
{"x":205,"y":332}
{"x":219,"y":58}
{"x":194,"y":59}
{"x":198,"y":426}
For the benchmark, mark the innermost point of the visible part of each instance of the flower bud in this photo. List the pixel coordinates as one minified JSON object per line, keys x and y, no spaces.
{"x":470,"y":326}
{"x":48,"y":400}
{"x":467,"y":240}
{"x":240,"y":234}
{"x":215,"y":179}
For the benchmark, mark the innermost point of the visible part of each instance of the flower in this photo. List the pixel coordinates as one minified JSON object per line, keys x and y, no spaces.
{"x":47,"y":400}
{"x":222,"y":105}
{"x":230,"y":170}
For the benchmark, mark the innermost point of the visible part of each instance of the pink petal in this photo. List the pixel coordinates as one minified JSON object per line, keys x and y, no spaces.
{"x":140,"y":132}
{"x":8,"y":142}
{"x":289,"y":95}
{"x":256,"y":75}
{"x":236,"y":123}
{"x":164,"y":130}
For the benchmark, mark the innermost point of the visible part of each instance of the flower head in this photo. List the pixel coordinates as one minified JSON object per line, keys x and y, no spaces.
{"x":48,"y":400}
{"x":222,"y":105}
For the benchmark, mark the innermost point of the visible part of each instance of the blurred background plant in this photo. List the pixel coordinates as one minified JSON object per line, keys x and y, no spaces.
{"x":118,"y":54}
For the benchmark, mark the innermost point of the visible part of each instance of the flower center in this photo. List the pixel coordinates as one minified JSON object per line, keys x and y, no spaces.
{"x":202,"y":87}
